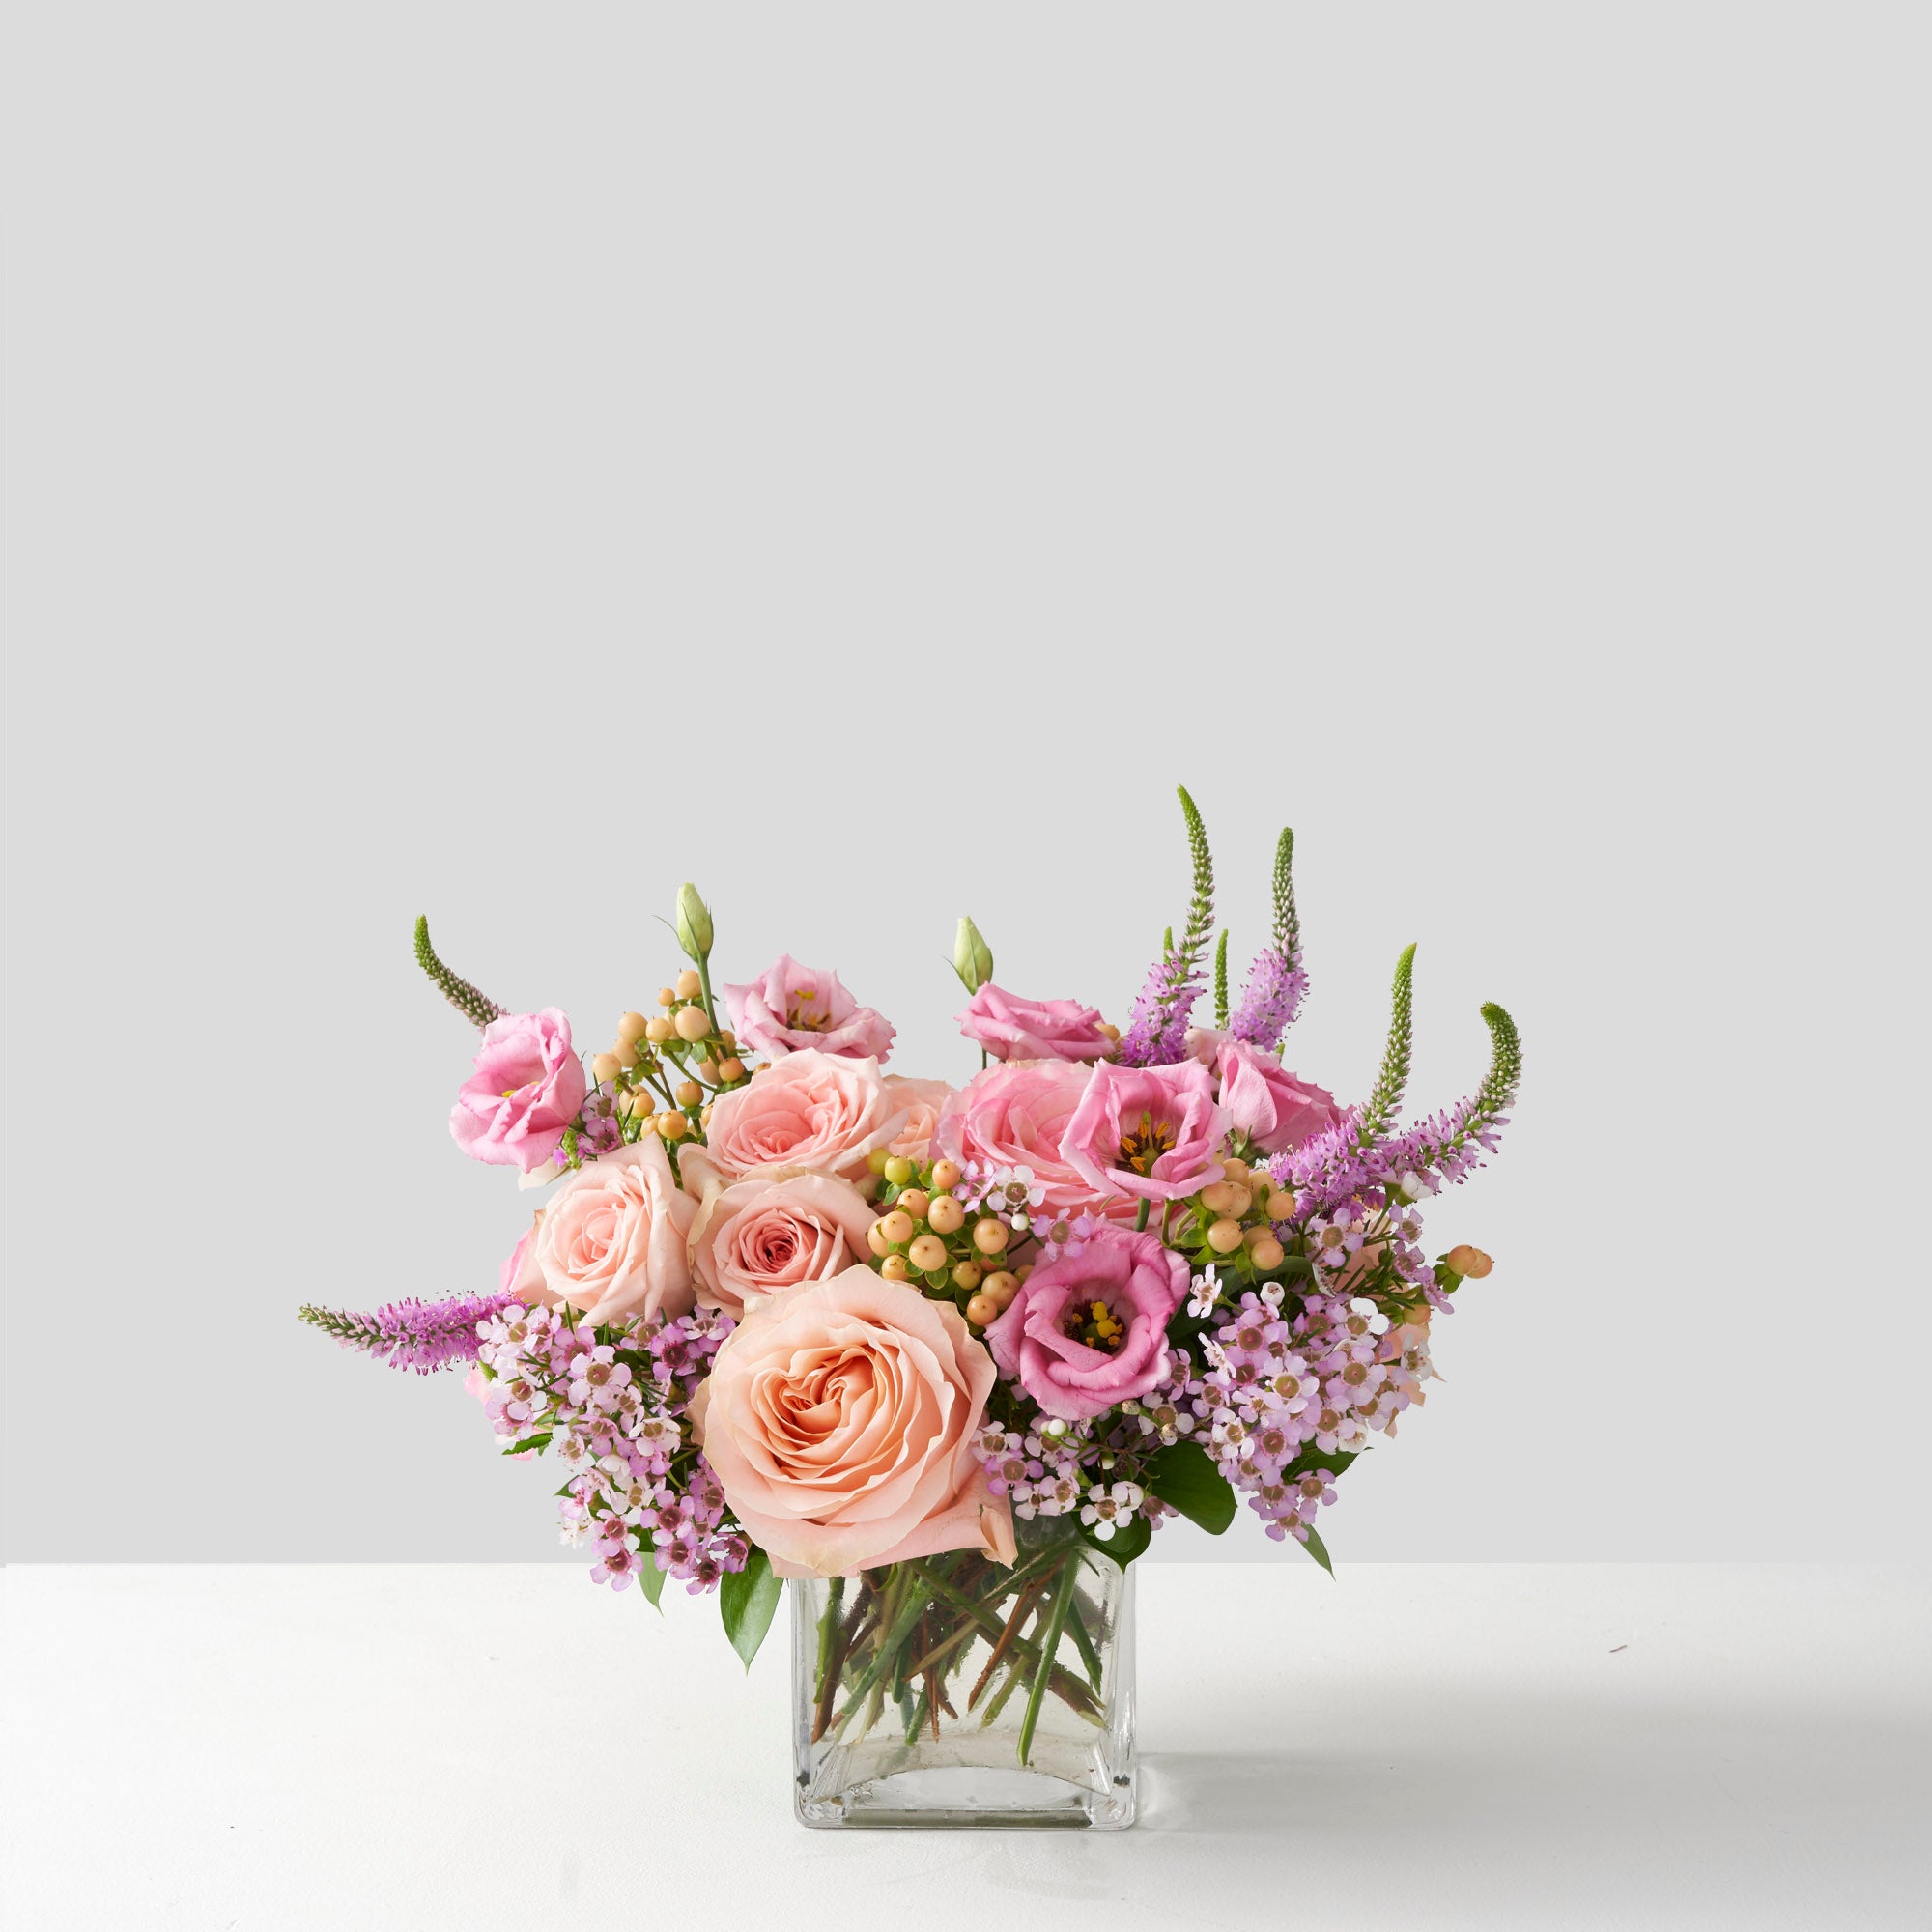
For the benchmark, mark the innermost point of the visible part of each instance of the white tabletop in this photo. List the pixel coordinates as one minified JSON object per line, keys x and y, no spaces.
{"x":1437,"y":1746}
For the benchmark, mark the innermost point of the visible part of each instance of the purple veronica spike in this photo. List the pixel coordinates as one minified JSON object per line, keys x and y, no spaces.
{"x":420,"y":1335}
{"x":1156,"y":1034}
{"x":1272,"y":999}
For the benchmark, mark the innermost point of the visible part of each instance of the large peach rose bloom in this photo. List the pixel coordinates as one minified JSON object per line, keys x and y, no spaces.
{"x":840,"y":1419}
{"x":612,"y":1240}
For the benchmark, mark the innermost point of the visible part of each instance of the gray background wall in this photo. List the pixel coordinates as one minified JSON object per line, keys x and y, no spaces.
{"x":502,"y":462}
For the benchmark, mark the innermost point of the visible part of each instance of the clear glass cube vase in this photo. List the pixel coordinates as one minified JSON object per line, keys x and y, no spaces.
{"x":956,"y":1692}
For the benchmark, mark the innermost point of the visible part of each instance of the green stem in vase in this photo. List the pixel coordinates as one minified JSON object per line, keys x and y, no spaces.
{"x":1049,"y":1645}
{"x":1064,"y":1686}
{"x":1083,"y":1639}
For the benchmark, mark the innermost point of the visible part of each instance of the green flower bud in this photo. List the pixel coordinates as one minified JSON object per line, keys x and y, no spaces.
{"x":694,"y":922}
{"x":971,"y":958}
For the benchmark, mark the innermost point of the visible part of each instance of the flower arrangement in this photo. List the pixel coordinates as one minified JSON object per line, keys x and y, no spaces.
{"x":780,"y":1314}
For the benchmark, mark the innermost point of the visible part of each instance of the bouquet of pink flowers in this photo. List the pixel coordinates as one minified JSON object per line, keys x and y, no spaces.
{"x":939,"y":1352}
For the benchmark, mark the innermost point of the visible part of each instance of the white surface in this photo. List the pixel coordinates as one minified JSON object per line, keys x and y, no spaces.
{"x":1437,"y":1746}
{"x":502,"y":461}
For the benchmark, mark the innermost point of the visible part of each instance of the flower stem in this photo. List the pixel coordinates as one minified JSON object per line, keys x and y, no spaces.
{"x":1049,"y":1645}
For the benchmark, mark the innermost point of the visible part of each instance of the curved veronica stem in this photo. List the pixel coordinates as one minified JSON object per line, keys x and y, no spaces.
{"x":475,"y":1007}
{"x":1393,"y":1079}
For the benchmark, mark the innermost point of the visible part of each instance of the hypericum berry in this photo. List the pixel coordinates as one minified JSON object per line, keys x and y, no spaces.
{"x":991,"y":1237}
{"x":688,"y":985}
{"x":946,"y":1175}
{"x":927,"y":1253}
{"x":944,"y":1215}
{"x":690,"y":1023}
{"x":631,"y":1027}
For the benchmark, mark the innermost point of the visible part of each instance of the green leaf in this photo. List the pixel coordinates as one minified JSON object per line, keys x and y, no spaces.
{"x":1318,"y":1550}
{"x":748,"y":1600}
{"x":651,"y":1582}
{"x":1319,"y":1459}
{"x":1183,"y":1475}
{"x":536,"y":1444}
{"x":1126,"y":1543}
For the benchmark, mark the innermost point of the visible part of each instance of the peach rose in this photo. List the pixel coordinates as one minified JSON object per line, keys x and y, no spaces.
{"x":810,"y":1109}
{"x":922,"y":1100}
{"x":840,"y":1419}
{"x":756,"y":1237}
{"x":612,"y":1240}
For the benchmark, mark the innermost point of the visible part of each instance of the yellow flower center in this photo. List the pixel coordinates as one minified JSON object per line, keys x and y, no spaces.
{"x":1145,"y":1145}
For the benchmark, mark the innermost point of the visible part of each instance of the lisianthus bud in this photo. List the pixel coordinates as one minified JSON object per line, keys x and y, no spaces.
{"x":971,"y":958}
{"x":694,"y":922}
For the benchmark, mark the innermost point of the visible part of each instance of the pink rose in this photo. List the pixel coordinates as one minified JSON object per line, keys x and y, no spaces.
{"x":758,"y":1237}
{"x":1016,"y":1029}
{"x":922,"y":1100}
{"x":1267,"y":1102}
{"x":840,"y":1419}
{"x":793,"y":1008}
{"x":808,"y":1110}
{"x":612,"y":1240}
{"x":519,"y":1274}
{"x":1017,"y":1117}
{"x":525,"y":1090}
{"x":1154,"y":1132}
{"x":1045,"y":1339}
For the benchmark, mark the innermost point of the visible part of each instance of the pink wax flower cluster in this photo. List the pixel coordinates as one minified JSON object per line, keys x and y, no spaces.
{"x":777,"y":1312}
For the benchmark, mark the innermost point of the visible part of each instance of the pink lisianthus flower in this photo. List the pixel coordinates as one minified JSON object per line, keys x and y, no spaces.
{"x":525,"y":1090}
{"x":791,"y":1008}
{"x":1010,"y":1028}
{"x":1088,"y":1331}
{"x":1010,"y":1116}
{"x":1261,"y":1097}
{"x":1153,"y":1132}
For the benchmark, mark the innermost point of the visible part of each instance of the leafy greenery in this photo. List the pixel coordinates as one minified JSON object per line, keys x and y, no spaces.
{"x":1126,"y":1543}
{"x":1318,"y":1550}
{"x":651,"y":1582}
{"x":748,"y":1600}
{"x":1183,"y":1475}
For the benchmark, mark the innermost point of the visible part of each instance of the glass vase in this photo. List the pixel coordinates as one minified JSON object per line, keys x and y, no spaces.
{"x":955,"y":1691}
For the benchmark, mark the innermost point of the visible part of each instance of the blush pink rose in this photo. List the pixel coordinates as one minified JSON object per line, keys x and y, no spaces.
{"x":612,"y":1240}
{"x":922,"y":1100}
{"x":1267,"y":1102}
{"x":520,"y":1275}
{"x":1139,"y":1281}
{"x":840,"y":1419}
{"x":1010,"y":1028}
{"x":793,"y":1008}
{"x":525,"y":1090}
{"x":1151,"y":1132}
{"x":810,"y":1110}
{"x":1017,"y":1117}
{"x":757,"y":1237}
